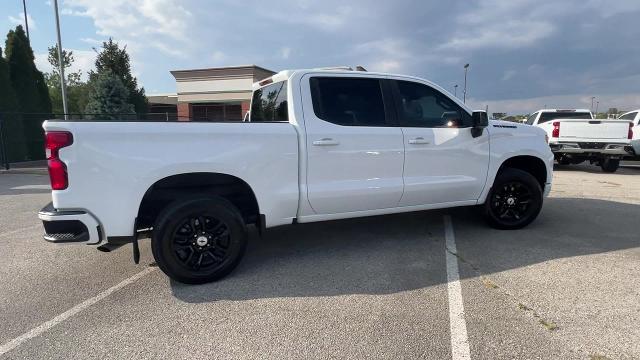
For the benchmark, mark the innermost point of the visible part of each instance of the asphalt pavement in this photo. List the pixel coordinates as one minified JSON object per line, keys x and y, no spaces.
{"x":566,"y":287}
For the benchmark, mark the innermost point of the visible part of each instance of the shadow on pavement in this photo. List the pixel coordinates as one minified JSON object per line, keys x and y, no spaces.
{"x":396,"y":253}
{"x":623,"y":170}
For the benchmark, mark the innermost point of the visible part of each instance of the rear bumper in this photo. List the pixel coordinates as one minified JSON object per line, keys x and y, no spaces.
{"x":601,"y":149}
{"x":72,"y":226}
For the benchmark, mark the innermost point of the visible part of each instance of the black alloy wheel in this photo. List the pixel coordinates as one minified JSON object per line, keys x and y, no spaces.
{"x":515,"y":200}
{"x":199,"y":240}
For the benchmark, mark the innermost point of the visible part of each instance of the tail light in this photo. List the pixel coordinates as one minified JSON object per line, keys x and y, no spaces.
{"x":630,"y":133}
{"x":54,"y":141}
{"x":556,"y":129}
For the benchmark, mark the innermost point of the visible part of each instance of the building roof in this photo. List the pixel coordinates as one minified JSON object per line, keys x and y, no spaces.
{"x":227,"y":72}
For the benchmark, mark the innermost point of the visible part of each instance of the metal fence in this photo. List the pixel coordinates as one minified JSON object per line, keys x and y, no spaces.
{"x":22,"y":136}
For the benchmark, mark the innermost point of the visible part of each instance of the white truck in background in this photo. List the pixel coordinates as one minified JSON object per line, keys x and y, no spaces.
{"x":576,"y":136}
{"x":634,"y":117}
{"x":318,"y":145}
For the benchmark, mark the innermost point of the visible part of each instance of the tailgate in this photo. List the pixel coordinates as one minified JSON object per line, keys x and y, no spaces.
{"x":593,"y":129}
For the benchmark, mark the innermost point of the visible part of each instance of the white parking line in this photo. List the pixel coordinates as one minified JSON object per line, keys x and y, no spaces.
{"x":12,"y":344}
{"x":32,"y":187}
{"x":459,"y":340}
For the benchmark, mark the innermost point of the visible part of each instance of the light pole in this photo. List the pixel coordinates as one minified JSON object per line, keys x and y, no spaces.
{"x":63,"y":86}
{"x":597,"y":103}
{"x":592,"y":98}
{"x":26,"y":22}
{"x":455,"y":90}
{"x":464,"y":93}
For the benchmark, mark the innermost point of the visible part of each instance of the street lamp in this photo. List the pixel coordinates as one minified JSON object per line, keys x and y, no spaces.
{"x":455,"y":90}
{"x":592,"y":98}
{"x":597,"y":103}
{"x":464,"y":93}
{"x":63,"y":86}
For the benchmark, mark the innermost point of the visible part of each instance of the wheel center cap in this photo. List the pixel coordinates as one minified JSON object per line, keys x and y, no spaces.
{"x":202,"y":240}
{"x":511,"y":201}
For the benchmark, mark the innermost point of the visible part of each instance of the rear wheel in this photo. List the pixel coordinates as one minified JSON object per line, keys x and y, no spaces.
{"x":515,"y":200}
{"x":199,"y":240}
{"x":610,"y":165}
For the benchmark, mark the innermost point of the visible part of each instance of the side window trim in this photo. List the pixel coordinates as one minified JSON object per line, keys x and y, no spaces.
{"x":398,"y":102}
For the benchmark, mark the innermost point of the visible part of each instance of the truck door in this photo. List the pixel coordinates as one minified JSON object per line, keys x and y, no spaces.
{"x":443,"y":161}
{"x":355,"y":153}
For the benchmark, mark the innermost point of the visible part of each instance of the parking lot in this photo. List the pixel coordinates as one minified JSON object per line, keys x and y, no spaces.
{"x":567,"y":286}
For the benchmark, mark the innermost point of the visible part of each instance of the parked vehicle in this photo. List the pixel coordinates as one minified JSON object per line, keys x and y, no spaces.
{"x":319,"y":145}
{"x":634,"y":117}
{"x":576,"y":136}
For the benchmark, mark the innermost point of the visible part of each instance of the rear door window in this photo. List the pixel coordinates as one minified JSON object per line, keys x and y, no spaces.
{"x":269,"y":104}
{"x":348,"y":101}
{"x":629,"y":116}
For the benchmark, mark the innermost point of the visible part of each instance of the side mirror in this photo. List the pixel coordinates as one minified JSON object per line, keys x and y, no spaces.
{"x":480,"y":120}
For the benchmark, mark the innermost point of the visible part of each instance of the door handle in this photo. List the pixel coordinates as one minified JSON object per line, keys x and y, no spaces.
{"x":418,"y":141}
{"x":326,"y":142}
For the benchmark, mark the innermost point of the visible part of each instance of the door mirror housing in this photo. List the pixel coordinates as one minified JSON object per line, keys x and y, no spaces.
{"x":480,"y":120}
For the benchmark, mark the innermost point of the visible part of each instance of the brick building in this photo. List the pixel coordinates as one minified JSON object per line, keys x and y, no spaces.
{"x":211,"y":94}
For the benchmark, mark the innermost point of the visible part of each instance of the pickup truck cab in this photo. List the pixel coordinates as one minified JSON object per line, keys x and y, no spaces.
{"x":318,"y":145}
{"x":634,"y":117}
{"x":576,"y":136}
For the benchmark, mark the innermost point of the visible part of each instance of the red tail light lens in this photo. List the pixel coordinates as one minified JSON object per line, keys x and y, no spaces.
{"x":54,"y":141}
{"x":630,"y":133}
{"x":556,"y":129}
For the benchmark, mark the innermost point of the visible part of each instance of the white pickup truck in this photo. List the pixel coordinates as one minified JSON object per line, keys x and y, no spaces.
{"x":319,"y":145}
{"x":634,"y":117}
{"x":575,"y":136}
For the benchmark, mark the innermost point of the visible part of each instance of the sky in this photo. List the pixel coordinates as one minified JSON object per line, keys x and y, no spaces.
{"x":523,"y":54}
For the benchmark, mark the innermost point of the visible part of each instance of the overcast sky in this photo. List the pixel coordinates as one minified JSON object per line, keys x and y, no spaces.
{"x":524,"y":54}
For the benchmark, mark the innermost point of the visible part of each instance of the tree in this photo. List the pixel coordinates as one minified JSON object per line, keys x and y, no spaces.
{"x":30,"y":89}
{"x":77,"y":90}
{"x":12,"y":130}
{"x":108,"y":98}
{"x":116,"y":60}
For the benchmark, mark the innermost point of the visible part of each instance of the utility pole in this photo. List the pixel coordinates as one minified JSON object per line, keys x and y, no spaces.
{"x":592,"y":98}
{"x":26,"y":22}
{"x":464,"y":95}
{"x":63,"y":86}
{"x":455,"y":90}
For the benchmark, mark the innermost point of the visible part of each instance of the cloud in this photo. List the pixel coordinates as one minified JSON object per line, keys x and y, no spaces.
{"x":622,"y":102}
{"x":19,"y":20}
{"x":285,"y":52}
{"x":142,"y":25}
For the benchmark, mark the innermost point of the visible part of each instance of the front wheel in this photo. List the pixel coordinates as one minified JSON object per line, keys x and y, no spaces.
{"x":610,"y":165}
{"x":199,"y":240}
{"x":515,"y":200}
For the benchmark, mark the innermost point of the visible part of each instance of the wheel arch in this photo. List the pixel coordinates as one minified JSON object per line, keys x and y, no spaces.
{"x":528,"y":163}
{"x":166,"y":190}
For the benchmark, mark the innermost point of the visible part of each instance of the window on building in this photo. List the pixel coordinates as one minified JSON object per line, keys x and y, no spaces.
{"x":348,"y":101}
{"x":423,"y":106}
{"x":270,"y":103}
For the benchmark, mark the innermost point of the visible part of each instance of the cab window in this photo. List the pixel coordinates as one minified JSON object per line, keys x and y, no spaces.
{"x":420,"y":105}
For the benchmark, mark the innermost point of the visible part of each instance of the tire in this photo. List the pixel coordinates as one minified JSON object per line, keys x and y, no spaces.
{"x":514,"y":201}
{"x":564,"y":161}
{"x":199,"y":240}
{"x":610,"y":165}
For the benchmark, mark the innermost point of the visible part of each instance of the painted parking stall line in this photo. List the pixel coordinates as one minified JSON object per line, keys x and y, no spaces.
{"x":459,"y":340}
{"x":12,"y":344}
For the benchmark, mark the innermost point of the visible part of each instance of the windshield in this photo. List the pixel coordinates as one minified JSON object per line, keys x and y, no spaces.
{"x":546,"y":116}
